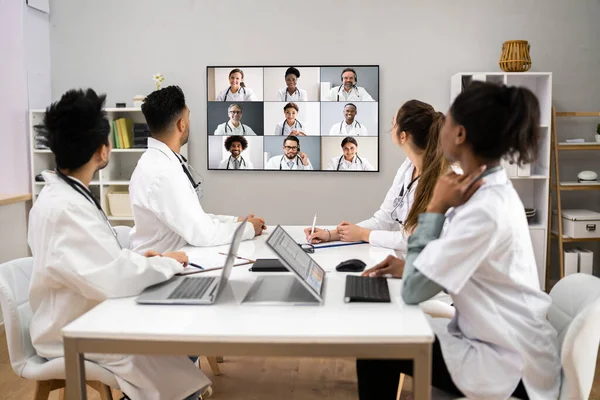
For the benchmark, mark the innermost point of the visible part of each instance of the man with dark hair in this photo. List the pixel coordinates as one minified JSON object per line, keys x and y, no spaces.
{"x":235,"y":145}
{"x":165,"y":191}
{"x":350,"y":125}
{"x":292,"y":157}
{"x":78,"y":259}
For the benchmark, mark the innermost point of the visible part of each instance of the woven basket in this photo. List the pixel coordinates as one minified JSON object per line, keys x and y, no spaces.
{"x":515,"y":56}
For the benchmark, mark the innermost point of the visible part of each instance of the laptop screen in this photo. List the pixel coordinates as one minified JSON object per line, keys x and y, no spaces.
{"x":293,"y":255}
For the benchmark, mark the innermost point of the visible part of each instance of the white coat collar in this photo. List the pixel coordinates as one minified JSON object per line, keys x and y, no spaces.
{"x":50,"y":177}
{"x":163,"y":148}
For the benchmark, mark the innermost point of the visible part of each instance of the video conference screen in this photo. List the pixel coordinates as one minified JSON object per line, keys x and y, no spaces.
{"x":298,"y":118}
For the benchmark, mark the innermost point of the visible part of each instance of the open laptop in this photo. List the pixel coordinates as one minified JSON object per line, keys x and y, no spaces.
{"x":192,"y":290}
{"x":303,"y":287}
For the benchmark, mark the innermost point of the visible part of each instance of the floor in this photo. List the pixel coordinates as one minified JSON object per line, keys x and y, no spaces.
{"x":250,"y":378}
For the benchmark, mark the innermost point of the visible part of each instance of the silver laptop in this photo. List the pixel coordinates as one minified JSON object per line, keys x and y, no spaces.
{"x":194,"y":290}
{"x":303,"y":287}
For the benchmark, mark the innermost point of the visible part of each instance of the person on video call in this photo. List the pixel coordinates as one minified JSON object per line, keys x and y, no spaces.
{"x":235,"y":145}
{"x":349,"y":126}
{"x":290,"y":126}
{"x":348,"y":91}
{"x":237,"y":90}
{"x":291,"y":92}
{"x":292,"y":157}
{"x":349,"y":161}
{"x":234,"y":126}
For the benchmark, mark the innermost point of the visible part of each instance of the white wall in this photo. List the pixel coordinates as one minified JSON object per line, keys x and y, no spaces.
{"x":116,"y":46}
{"x":310,"y":80}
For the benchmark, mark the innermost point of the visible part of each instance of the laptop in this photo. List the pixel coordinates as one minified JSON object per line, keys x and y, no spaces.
{"x":303,"y":287}
{"x":194,"y":290}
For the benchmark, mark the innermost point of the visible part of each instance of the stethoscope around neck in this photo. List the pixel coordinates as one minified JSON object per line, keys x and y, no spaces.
{"x":342,"y":157}
{"x":187,"y":169}
{"x":87,"y":193}
{"x":229,"y":90}
{"x":290,"y":96}
{"x":296,"y":124}
{"x":355,"y":124}
{"x":231,"y":129}
{"x":399,"y":201}
{"x":242,"y":162}
{"x":353,"y":88}
{"x":281,"y":161}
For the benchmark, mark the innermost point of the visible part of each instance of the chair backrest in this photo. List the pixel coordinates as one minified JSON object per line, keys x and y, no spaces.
{"x":575,"y":314}
{"x":123,"y":235}
{"x":15,"y":276}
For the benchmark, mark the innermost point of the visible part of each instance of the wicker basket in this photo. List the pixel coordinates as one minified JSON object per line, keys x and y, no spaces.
{"x":515,"y":56}
{"x":118,"y":204}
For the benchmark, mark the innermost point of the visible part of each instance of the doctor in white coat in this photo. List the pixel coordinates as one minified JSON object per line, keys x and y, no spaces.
{"x":290,"y":126}
{"x":349,"y":126}
{"x":237,"y":90}
{"x":348,"y":90}
{"x":165,"y":194}
{"x":416,"y":130}
{"x":234,"y":126}
{"x":500,"y":343}
{"x":350,"y":160}
{"x":292,"y":158}
{"x":236,"y":145}
{"x":78,"y":261}
{"x":292,"y":92}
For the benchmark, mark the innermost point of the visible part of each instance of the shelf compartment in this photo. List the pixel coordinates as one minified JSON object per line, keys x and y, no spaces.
{"x":579,"y":146}
{"x":570,"y":186}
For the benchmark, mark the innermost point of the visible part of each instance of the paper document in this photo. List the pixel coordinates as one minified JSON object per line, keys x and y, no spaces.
{"x":336,"y":243}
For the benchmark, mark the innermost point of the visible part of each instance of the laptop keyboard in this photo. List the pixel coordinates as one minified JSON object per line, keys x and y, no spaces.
{"x":365,"y":289}
{"x":192,"y":288}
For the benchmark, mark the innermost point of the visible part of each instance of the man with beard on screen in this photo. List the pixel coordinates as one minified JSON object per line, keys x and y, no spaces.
{"x":235,"y":145}
{"x":292,"y":157}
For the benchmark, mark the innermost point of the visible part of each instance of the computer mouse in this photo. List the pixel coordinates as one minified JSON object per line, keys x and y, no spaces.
{"x":353,"y":265}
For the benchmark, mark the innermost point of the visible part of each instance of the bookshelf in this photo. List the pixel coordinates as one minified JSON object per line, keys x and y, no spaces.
{"x":532,"y":182}
{"x":115,"y":177}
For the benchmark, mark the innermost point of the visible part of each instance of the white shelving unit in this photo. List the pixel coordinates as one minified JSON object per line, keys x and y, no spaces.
{"x":532,"y":182}
{"x":115,"y":176}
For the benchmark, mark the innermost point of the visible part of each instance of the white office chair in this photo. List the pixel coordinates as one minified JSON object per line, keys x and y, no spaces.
{"x":575,"y":314}
{"x":48,"y":374}
{"x":123,"y":235}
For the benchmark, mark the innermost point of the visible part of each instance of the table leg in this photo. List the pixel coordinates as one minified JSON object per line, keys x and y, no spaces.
{"x":75,"y":371}
{"x":422,"y":373}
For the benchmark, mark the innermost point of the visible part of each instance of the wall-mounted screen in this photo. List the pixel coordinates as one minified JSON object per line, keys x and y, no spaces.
{"x":296,"y":118}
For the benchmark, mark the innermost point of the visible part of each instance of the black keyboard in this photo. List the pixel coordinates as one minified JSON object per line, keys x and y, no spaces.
{"x":365,"y":289}
{"x":192,"y":288}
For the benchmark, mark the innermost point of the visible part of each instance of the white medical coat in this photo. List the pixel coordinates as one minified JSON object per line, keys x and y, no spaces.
{"x":244,"y":94}
{"x":345,"y":165}
{"x":280,"y":162}
{"x":298,"y":126}
{"x":228,"y":163}
{"x":385,"y":231}
{"x":500,"y":333}
{"x":166,"y":209}
{"x":358,"y":93}
{"x":344,"y":129}
{"x":227,"y":129}
{"x":78,"y":263}
{"x":298,"y":95}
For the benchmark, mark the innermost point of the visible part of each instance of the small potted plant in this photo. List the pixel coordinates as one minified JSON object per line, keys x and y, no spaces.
{"x":158,"y":79}
{"x":598,"y":133}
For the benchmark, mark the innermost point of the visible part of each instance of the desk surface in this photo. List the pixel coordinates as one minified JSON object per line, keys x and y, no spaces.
{"x":231,"y":321}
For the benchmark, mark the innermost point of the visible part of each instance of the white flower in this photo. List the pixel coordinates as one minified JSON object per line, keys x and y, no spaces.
{"x":158,"y":77}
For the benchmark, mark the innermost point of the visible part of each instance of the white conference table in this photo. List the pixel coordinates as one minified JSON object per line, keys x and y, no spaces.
{"x":335,"y":329}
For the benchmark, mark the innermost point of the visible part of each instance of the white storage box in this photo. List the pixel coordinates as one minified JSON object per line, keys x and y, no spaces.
{"x":118,"y":204}
{"x":579,"y":224}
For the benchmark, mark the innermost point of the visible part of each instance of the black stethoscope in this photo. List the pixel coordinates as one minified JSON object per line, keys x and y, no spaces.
{"x":287,"y":94}
{"x":242,"y":162}
{"x":342,"y":157}
{"x":229,"y":90}
{"x":85,"y":192}
{"x":231,"y":129}
{"x":399,"y":201}
{"x":296,"y":124}
{"x":353,"y":88}
{"x":281,"y":161}
{"x":185,"y":165}
{"x":355,"y":124}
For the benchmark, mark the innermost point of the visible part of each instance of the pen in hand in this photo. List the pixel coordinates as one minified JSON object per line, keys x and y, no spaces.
{"x":195,"y":265}
{"x":313,"y":225}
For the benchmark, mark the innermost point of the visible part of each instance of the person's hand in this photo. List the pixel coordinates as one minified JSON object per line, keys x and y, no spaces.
{"x":319,"y":236}
{"x":152,"y":253}
{"x":258,"y":224}
{"x":453,"y":190}
{"x":352,"y":233}
{"x":393,"y":266}
{"x":178,"y":256}
{"x":297,"y":133}
{"x":304,"y":158}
